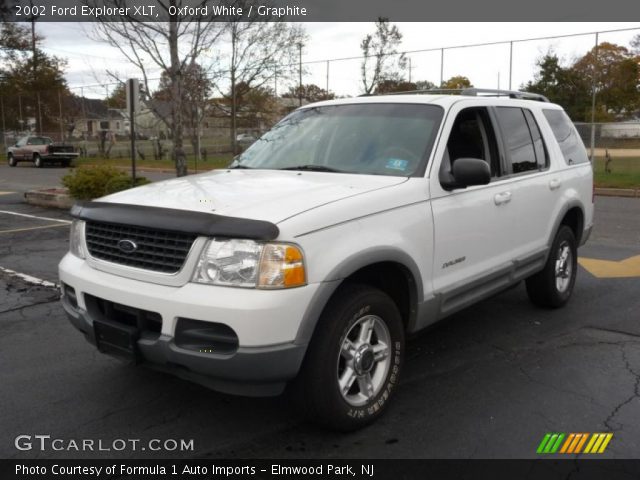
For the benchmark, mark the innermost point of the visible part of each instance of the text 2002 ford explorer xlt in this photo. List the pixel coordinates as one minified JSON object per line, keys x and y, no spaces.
{"x":348,"y":226}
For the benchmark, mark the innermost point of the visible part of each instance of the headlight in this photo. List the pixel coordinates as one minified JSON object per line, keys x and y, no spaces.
{"x":245,"y":263}
{"x":76,"y":238}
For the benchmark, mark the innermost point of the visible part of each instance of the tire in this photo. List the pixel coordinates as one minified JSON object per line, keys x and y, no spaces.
{"x":37,"y":161}
{"x":552,"y":287}
{"x":370,"y":366}
{"x":12,"y":161}
{"x":66,"y":163}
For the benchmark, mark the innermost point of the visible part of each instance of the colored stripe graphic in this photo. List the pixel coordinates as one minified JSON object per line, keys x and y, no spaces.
{"x":573,"y":443}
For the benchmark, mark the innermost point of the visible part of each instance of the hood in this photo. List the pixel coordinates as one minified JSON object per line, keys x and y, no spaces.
{"x":270,"y":195}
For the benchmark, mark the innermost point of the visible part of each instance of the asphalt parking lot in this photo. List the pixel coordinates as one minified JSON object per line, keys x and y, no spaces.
{"x":487,"y":383}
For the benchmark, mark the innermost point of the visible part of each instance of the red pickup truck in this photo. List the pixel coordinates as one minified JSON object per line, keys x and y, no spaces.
{"x":40,"y":150}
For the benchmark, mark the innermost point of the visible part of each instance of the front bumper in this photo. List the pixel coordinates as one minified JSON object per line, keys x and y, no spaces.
{"x":266,"y":323}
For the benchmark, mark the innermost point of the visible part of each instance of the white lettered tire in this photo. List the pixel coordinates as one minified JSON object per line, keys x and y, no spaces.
{"x":354,"y":360}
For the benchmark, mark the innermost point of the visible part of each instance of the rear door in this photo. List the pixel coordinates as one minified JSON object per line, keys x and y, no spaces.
{"x":535,"y":192}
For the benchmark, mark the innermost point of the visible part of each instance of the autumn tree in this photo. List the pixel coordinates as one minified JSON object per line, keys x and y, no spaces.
{"x":170,"y":46}
{"x":310,"y":92}
{"x":616,"y":77}
{"x":561,"y":85}
{"x":381,"y":60}
{"x":392,"y":86}
{"x":616,"y":82}
{"x":456,"y":82}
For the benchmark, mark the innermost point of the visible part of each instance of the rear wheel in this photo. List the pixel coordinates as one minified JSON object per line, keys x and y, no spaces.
{"x":66,"y":163}
{"x":354,"y":360}
{"x":552,"y":287}
{"x":11,"y":161}
{"x":37,"y":160}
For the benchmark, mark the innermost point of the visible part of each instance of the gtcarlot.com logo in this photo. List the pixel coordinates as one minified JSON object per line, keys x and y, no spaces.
{"x":47,"y":443}
{"x":573,"y":443}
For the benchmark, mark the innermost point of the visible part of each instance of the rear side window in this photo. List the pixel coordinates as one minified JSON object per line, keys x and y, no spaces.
{"x":538,"y":143}
{"x":570,"y":142}
{"x":517,"y":139}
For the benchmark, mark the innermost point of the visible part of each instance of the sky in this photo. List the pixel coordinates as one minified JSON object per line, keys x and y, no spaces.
{"x":486,"y":66}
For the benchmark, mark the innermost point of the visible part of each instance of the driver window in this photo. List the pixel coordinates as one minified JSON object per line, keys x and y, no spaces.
{"x":471,"y":136}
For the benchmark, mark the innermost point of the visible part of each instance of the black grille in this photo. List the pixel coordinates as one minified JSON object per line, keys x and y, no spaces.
{"x":158,"y":250}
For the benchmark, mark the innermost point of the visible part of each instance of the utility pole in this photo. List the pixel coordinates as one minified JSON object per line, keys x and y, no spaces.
{"x":133,"y":94}
{"x":510,"y":63}
{"x":593,"y":100}
{"x":34,"y":51}
{"x":4,"y":127}
{"x":300,"y":73}
{"x":327,"y":77}
{"x":60,"y":112}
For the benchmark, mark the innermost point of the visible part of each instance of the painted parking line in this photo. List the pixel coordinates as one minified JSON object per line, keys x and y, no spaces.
{"x":35,"y":216}
{"x":15,"y":230}
{"x":6,"y":193}
{"x":28,"y":278}
{"x":627,"y":268}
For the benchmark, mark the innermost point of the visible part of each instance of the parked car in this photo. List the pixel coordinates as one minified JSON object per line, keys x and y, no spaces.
{"x":350,"y":225}
{"x":40,"y":150}
{"x":245,"y":139}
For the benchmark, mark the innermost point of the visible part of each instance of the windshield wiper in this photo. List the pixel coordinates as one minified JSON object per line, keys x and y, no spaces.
{"x":314,"y":168}
{"x":239,"y":166}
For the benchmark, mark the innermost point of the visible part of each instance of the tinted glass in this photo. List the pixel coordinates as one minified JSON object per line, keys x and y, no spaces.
{"x":538,"y":143}
{"x":380,"y":139}
{"x":570,"y":142}
{"x":517,"y":139}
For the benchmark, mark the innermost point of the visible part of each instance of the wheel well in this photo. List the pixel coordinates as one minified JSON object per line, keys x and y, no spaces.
{"x":574,"y":219}
{"x":396,"y":281}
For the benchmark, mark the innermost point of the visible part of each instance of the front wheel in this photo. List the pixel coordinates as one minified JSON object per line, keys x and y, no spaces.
{"x":354,"y":360}
{"x":37,"y":161}
{"x":553,"y":286}
{"x":12,"y":161}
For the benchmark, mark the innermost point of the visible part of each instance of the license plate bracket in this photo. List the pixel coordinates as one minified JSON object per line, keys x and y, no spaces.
{"x":118,"y":340}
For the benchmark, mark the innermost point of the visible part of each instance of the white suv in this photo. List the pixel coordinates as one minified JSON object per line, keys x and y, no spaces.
{"x":348,"y":226}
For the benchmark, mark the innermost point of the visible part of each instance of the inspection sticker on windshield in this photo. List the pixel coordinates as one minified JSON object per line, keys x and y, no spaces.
{"x":397,"y":164}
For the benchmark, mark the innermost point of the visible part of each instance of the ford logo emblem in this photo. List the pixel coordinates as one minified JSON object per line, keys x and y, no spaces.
{"x":127,"y":246}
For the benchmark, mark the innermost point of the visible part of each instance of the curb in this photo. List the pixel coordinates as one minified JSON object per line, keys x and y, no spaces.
{"x":618,"y":192}
{"x":49,"y":197}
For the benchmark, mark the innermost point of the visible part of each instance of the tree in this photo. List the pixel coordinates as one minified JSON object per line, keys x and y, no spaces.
{"x":635,"y":44}
{"x":425,"y":85}
{"x":32,"y":83}
{"x":118,"y":97}
{"x":310,"y":92}
{"x":196,"y":89}
{"x":379,"y":50}
{"x":391,"y":86}
{"x":561,"y":85}
{"x":456,"y":82}
{"x":259,"y":51}
{"x":171,"y":46}
{"x":616,"y":77}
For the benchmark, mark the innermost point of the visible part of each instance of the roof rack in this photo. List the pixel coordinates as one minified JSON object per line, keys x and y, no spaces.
{"x":505,"y":93}
{"x":475,"y":92}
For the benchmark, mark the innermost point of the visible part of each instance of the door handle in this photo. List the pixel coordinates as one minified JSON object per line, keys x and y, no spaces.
{"x":502,"y":198}
{"x":554,"y":184}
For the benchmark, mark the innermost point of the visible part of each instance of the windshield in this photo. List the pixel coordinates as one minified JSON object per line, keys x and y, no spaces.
{"x":376,"y":139}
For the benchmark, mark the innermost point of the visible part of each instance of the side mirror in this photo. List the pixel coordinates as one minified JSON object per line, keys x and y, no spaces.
{"x":468,"y":172}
